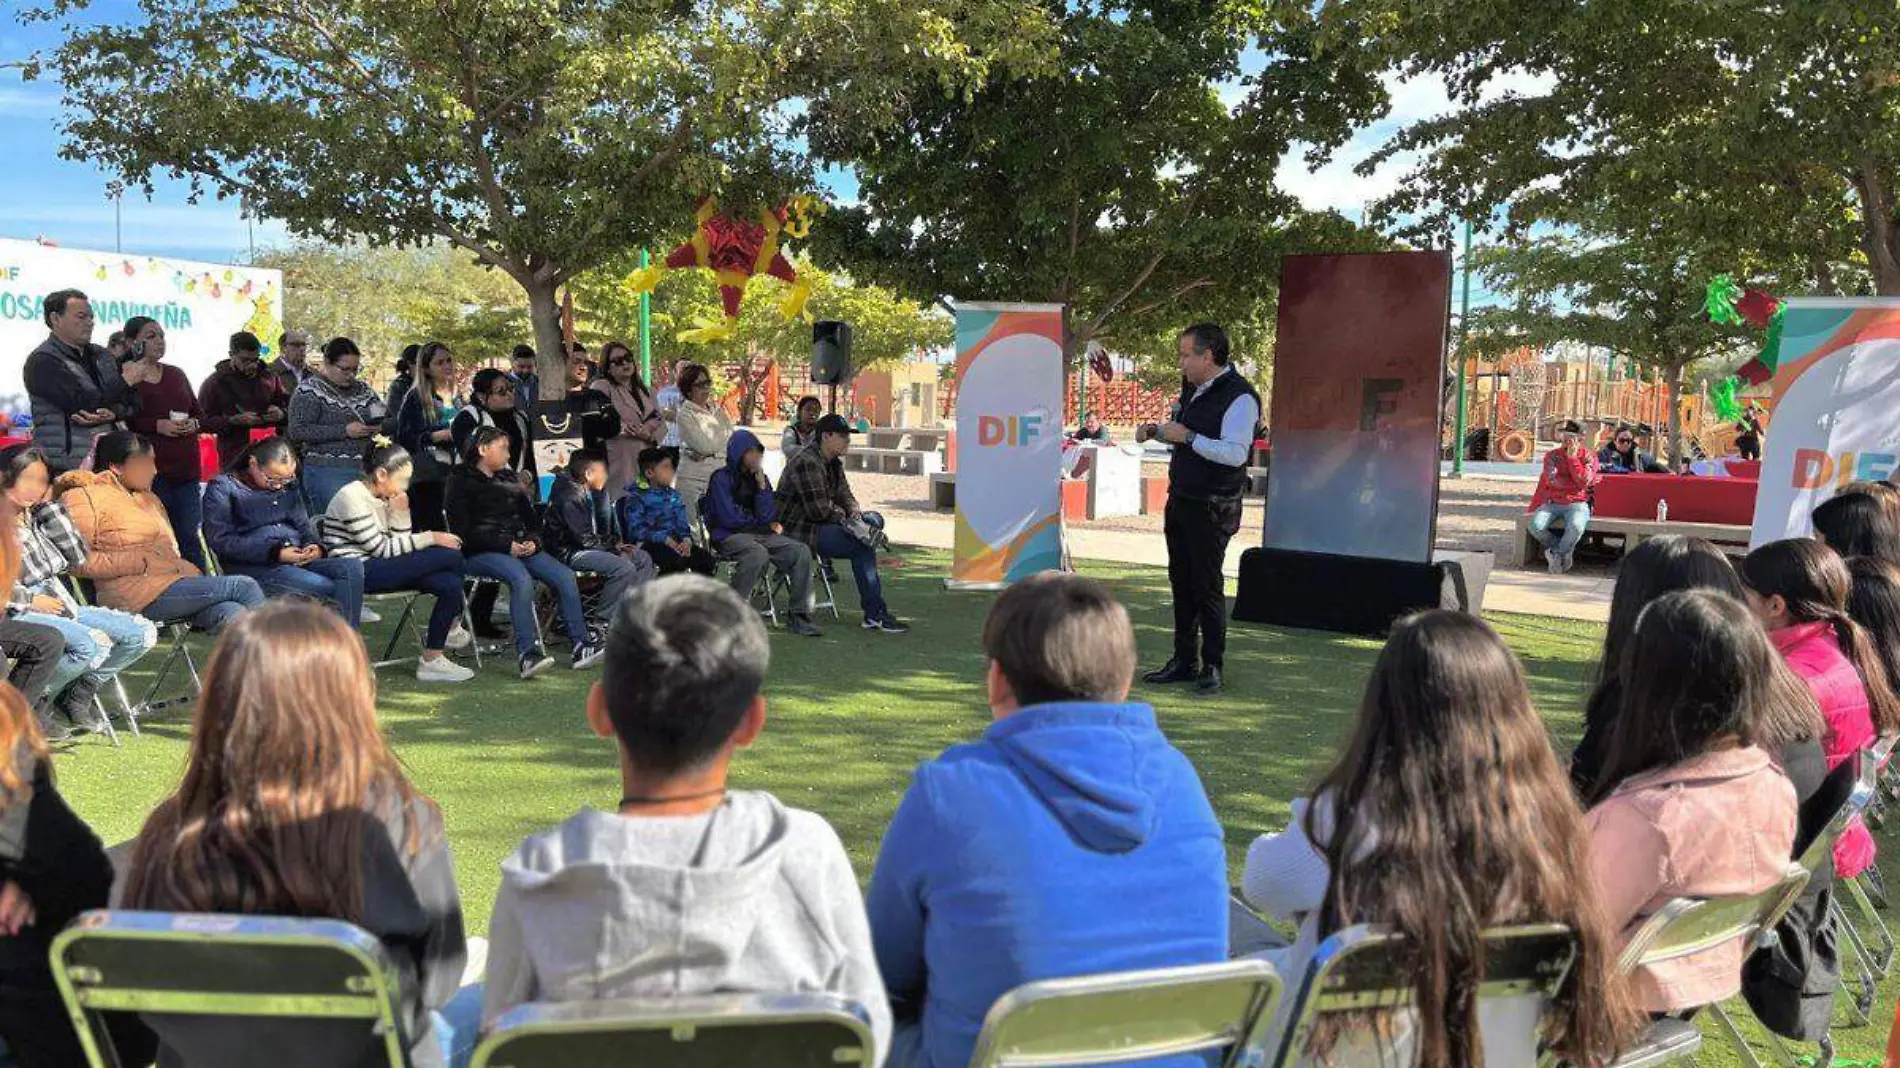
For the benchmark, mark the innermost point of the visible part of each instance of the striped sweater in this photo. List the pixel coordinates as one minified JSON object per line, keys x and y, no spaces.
{"x":359,"y":524}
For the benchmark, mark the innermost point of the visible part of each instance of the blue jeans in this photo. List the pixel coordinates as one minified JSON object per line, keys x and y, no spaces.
{"x":458,"y":1025}
{"x":520,"y":575}
{"x":128,"y":637}
{"x":835,"y":543}
{"x":619,"y":575}
{"x":1576,"y":519}
{"x":184,"y":506}
{"x":435,"y":571}
{"x":207,"y":602}
{"x":322,"y":483}
{"x":329,"y":578}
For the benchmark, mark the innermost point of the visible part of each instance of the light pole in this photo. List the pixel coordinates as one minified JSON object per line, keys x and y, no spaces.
{"x":646,"y":330}
{"x":1464,"y":334}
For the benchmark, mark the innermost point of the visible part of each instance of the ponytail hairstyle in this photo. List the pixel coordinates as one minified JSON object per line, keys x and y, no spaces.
{"x":1874,"y":602}
{"x":1451,"y":816}
{"x":471,"y":453}
{"x":385,"y":456}
{"x":262,"y":451}
{"x":1814,"y":582}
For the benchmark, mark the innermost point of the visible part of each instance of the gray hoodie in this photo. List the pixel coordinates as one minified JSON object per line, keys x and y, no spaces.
{"x":752,"y":897}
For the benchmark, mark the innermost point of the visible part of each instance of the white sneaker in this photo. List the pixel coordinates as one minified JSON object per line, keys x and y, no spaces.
{"x":1555,"y":562}
{"x":442,"y":669}
{"x":459,"y":638}
{"x":366,"y":616}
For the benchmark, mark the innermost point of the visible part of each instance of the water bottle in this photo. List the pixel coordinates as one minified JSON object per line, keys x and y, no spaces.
{"x":1662,"y":510}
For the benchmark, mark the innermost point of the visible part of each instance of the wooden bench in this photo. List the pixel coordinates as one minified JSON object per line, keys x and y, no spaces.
{"x":1731,"y":538}
{"x":943,"y":490}
{"x":894,"y":461}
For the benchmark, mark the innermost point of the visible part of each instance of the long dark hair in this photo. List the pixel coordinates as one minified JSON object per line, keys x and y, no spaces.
{"x":286,"y":772}
{"x":636,"y":385}
{"x":1814,"y":582}
{"x":1859,"y":523}
{"x":1453,"y":817}
{"x":114,"y":449}
{"x":1874,"y":602}
{"x":1698,"y":673}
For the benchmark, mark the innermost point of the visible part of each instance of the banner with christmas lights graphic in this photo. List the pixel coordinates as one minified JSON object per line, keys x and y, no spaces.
{"x":200,"y":305}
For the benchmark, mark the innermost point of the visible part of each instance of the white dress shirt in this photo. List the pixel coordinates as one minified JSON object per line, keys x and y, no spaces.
{"x":1235,"y":443}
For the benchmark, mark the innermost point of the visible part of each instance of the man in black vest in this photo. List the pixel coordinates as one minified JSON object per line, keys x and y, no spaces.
{"x":1212,"y":434}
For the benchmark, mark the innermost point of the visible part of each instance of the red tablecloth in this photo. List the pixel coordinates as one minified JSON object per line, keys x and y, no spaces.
{"x":1691,"y":499}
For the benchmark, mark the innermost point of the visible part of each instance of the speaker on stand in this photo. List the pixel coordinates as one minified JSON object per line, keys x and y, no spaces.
{"x":831,"y":355}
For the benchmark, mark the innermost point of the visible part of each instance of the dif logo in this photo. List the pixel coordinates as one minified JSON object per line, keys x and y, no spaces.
{"x":1814,"y":468}
{"x":9,"y":274}
{"x":1014,"y":431}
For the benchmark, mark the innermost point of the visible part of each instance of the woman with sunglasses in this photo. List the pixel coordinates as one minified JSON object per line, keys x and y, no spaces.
{"x":1620,"y":456}
{"x":641,"y":427}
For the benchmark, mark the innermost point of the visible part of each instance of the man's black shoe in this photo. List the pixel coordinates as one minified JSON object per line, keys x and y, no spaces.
{"x":1209,"y":682}
{"x":1172,"y":671}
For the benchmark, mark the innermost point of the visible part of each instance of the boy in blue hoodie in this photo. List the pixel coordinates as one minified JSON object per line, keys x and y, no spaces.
{"x":1071,"y":840}
{"x":742,"y":524}
{"x":653,"y":516}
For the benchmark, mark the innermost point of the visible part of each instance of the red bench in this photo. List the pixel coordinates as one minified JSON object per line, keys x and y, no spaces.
{"x":1691,"y":499}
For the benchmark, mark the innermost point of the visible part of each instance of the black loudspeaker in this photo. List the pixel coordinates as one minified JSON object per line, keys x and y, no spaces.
{"x":830,"y":352}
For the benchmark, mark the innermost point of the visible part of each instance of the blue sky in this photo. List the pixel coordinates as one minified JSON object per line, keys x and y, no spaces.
{"x":66,"y":202}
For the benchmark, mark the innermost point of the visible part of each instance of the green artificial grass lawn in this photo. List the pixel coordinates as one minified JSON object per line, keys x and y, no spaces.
{"x":852,"y":713}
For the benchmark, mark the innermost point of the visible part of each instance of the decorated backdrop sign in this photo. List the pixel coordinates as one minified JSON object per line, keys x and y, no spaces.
{"x":1009,"y":442}
{"x":200,"y":305}
{"x":1835,"y":417}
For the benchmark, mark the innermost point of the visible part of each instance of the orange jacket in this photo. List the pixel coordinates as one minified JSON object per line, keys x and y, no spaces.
{"x":134,"y":553}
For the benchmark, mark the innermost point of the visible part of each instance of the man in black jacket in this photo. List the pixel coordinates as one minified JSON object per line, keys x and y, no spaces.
{"x":76,"y":388}
{"x":1212,"y":433}
{"x":579,"y":530}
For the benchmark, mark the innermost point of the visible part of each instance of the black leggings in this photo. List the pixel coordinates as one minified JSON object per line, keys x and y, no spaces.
{"x":671,"y":563}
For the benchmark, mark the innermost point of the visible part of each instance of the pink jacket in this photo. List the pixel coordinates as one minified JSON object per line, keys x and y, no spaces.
{"x":1720,"y":823}
{"x":1814,"y":653}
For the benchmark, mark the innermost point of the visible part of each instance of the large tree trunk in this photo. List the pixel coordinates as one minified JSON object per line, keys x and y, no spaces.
{"x":1880,"y":237}
{"x":544,"y":311}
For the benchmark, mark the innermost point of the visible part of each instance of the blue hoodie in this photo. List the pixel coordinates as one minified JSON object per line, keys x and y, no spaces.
{"x":725,"y":515}
{"x":1072,"y":840}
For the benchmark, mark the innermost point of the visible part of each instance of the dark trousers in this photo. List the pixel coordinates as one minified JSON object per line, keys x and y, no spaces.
{"x":1197,"y":533}
{"x":426,"y":500}
{"x":184,"y":507}
{"x":35,"y":651}
{"x":668,"y":562}
{"x":436,"y":571}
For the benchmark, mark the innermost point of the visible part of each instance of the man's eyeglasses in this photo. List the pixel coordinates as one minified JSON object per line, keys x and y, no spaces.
{"x":1626,"y":441}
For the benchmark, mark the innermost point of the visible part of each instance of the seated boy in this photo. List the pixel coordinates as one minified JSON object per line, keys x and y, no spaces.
{"x":653,"y":516}
{"x":580,"y":531}
{"x":1071,"y":840}
{"x":687,"y":887}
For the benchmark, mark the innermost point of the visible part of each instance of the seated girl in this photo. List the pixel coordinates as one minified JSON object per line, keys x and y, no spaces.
{"x":256,"y":525}
{"x":489,"y":509}
{"x":1689,"y":805}
{"x":100,"y":642}
{"x":368,"y":520}
{"x":293,"y":805}
{"x":132,"y":558}
{"x":1447,"y":815}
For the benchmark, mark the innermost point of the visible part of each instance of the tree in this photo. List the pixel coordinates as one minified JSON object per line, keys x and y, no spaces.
{"x":1765,"y":125}
{"x":385,"y":298}
{"x":885,"y":327}
{"x":1119,"y":183}
{"x":540,"y":137}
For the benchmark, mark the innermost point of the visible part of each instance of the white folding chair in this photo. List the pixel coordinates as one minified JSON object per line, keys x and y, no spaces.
{"x":406,"y":622}
{"x":1685,"y":927}
{"x":1364,"y":968}
{"x":335,"y":979}
{"x":764,"y":596}
{"x":469,"y":586}
{"x":718,"y":1031}
{"x":1131,"y":1016}
{"x":1859,"y":889}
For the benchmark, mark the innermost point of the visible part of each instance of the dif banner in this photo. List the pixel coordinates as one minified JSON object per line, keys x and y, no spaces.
{"x":1835,"y":417}
{"x":200,"y":305}
{"x":1009,"y":443}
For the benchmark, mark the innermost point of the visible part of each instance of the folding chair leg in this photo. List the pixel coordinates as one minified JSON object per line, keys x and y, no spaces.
{"x":1859,"y":1007}
{"x":125,"y":704}
{"x":1883,"y":960}
{"x":389,"y":659}
{"x":105,"y":720}
{"x":1734,"y":1034}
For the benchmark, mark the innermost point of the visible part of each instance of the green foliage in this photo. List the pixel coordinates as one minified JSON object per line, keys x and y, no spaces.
{"x":1120,"y":183}
{"x":542,"y":137}
{"x":1709,"y":125}
{"x":385,"y":298}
